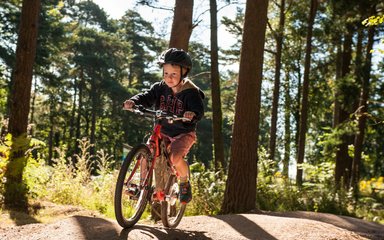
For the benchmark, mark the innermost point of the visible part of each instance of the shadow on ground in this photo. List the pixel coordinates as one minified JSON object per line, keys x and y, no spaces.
{"x":161,"y":233}
{"x":21,"y":218}
{"x":243,"y":225}
{"x":371,"y":230}
{"x":98,"y":228}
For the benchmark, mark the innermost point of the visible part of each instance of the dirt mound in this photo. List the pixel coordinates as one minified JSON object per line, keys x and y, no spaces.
{"x":269,"y":226}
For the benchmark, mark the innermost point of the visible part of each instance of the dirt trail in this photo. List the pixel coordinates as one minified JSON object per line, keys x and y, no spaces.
{"x":269,"y":226}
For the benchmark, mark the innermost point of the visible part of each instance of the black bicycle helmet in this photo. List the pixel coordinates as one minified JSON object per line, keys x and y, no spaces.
{"x":177,"y":57}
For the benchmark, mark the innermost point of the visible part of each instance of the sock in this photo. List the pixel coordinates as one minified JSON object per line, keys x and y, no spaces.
{"x":184,"y":179}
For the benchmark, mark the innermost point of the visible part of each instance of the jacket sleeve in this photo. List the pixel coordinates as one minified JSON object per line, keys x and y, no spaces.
{"x":195,"y":104}
{"x":147,"y":98}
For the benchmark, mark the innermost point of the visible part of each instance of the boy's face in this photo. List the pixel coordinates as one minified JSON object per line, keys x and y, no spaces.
{"x":171,"y":74}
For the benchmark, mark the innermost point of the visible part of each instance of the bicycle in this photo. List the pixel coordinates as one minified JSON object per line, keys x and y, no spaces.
{"x":134,"y":186}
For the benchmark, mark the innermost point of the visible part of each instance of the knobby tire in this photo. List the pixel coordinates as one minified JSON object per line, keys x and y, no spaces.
{"x":172,"y":210}
{"x":128,"y":210}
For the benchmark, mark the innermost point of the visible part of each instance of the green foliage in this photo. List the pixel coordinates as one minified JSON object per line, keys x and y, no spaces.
{"x":67,"y":184}
{"x":36,"y":176}
{"x":15,"y":154}
{"x":15,"y":190}
{"x":207,"y":189}
{"x":374,"y":21}
{"x":332,"y":137}
{"x":5,"y":148}
{"x":370,"y":205}
{"x":104,"y":183}
{"x":318,"y":194}
{"x":89,"y":64}
{"x":274,"y":192}
{"x":3,"y":98}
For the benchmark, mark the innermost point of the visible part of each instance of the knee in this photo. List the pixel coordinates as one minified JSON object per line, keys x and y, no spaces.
{"x":176,"y":158}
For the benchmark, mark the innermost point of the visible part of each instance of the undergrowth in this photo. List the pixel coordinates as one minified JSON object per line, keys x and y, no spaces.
{"x":74,"y":182}
{"x":319,"y":193}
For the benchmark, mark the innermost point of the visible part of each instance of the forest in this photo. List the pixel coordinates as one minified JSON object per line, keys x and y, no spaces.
{"x":294,"y":116}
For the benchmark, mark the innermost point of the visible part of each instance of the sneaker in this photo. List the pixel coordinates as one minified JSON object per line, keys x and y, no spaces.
{"x":185,"y":192}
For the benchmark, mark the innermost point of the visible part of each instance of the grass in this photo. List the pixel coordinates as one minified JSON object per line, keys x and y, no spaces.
{"x":63,"y":189}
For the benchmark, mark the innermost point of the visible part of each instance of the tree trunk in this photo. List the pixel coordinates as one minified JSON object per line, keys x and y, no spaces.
{"x":218,"y":141}
{"x":15,"y":190}
{"x":180,"y":34}
{"x":276,"y":89}
{"x":240,"y":191}
{"x":78,"y":119}
{"x":287,"y":123}
{"x":9,"y":94}
{"x":32,"y":115}
{"x":304,"y":104}
{"x":358,"y":112}
{"x":182,"y":24}
{"x":72,"y":127}
{"x":296,"y":113}
{"x":343,"y":160}
{"x":51,"y":131}
{"x":93,"y":118}
{"x":336,"y":108}
{"x":130,"y":75}
{"x":362,"y":111}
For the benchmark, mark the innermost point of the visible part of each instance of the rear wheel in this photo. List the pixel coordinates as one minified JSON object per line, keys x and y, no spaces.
{"x":131,"y":195}
{"x":172,"y":210}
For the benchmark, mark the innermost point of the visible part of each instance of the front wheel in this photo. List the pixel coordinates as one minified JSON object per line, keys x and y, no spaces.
{"x":172,"y":210}
{"x":131,"y":194}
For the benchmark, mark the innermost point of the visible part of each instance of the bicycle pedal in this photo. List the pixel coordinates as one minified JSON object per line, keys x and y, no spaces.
{"x":132,"y":191}
{"x":158,"y":196}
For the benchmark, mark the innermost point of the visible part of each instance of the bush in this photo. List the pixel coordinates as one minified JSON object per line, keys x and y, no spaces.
{"x":207,"y":189}
{"x":64,"y":183}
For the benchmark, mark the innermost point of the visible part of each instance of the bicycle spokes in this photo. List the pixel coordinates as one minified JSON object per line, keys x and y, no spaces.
{"x":173,"y":194}
{"x":131,"y":194}
{"x":172,"y":209}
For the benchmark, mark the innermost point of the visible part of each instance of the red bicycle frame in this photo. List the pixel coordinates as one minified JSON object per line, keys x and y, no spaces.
{"x":154,"y":145}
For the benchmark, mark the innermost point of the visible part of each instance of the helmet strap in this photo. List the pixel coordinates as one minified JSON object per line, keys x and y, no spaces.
{"x":181,"y":76}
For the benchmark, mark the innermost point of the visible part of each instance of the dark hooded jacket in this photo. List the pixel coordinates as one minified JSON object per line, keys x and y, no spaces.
{"x":190,"y":98}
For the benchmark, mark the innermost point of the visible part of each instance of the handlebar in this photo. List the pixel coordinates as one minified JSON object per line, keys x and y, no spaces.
{"x":157,"y":114}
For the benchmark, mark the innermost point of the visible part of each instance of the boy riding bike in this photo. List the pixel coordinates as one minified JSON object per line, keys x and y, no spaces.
{"x":175,"y":94}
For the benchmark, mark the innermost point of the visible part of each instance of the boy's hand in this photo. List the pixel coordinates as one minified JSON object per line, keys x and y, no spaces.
{"x":128,"y":104}
{"x":189,"y":115}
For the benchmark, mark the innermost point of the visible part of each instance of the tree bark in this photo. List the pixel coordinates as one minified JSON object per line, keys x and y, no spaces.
{"x":32,"y":114}
{"x":287,"y":123}
{"x":15,"y":190}
{"x":336,"y":108}
{"x":180,"y":34}
{"x":218,"y":141}
{"x":304,"y":104}
{"x":362,"y":111}
{"x":78,"y":119}
{"x":25,"y":58}
{"x":276,"y":89}
{"x":72,"y":119}
{"x":343,"y":160}
{"x":240,"y":191}
{"x":94,"y":111}
{"x":51,"y":130}
{"x":182,"y":24}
